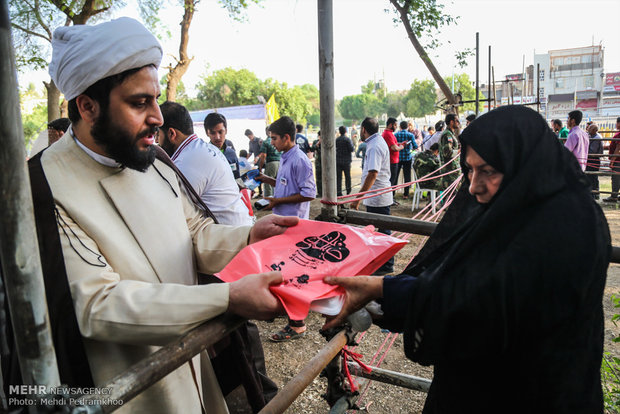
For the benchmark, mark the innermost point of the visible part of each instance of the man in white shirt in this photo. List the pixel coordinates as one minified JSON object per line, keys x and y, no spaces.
{"x":204,"y":166}
{"x":376,"y":176}
{"x":439,"y":126}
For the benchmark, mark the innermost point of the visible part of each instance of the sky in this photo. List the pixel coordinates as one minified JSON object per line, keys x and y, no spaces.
{"x":279,"y":39}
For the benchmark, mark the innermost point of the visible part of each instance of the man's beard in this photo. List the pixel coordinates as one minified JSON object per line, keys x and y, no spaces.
{"x":120,"y":146}
{"x":166,"y":145}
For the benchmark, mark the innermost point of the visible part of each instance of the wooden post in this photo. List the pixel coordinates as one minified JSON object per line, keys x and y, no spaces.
{"x":19,"y":251}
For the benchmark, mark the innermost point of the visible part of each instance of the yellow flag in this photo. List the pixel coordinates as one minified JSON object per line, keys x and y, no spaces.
{"x":272,"y":109}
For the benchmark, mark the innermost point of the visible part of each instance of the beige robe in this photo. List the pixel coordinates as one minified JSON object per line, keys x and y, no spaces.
{"x":131,"y":249}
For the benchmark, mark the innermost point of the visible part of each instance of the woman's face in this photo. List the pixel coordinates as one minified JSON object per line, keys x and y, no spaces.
{"x":484,"y":179}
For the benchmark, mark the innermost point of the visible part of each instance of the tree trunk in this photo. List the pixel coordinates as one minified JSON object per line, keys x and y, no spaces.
{"x":424,"y":56}
{"x":176,"y":73}
{"x":53,"y":97}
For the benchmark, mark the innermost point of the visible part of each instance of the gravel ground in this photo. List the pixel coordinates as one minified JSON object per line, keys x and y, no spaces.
{"x":284,"y":360}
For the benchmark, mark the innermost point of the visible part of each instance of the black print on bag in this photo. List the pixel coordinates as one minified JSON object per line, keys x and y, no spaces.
{"x":276,"y":267}
{"x":314,"y":250}
{"x":298,"y":281}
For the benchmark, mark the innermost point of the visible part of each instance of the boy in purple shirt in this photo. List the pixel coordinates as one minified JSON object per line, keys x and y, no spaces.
{"x":294,"y":189}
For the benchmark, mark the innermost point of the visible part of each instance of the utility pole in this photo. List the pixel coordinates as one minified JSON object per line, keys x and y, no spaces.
{"x":327,"y":107}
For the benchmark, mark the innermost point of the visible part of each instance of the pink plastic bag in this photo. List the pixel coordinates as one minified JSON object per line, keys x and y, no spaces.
{"x":308,"y":252}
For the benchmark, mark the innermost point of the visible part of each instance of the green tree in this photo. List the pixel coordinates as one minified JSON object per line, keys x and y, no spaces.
{"x":420,"y":99}
{"x":357,"y":107}
{"x":230,"y":87}
{"x":463,"y":85}
{"x":291,"y":101}
{"x":34,"y":113}
{"x":394,"y":103}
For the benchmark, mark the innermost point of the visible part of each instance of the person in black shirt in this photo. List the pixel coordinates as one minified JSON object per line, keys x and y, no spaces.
{"x":344,"y":148}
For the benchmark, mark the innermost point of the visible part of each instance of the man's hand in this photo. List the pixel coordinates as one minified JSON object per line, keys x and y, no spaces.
{"x":271,"y":225}
{"x":359,"y":291}
{"x":355,"y":205}
{"x":272,"y":203}
{"x":251,"y":298}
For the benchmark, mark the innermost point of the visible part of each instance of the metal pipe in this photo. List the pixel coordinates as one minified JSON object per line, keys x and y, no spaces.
{"x":327,"y":107}
{"x":159,"y":364}
{"x":412,"y":226}
{"x":391,"y":377}
{"x":494,"y":94}
{"x":538,"y":87}
{"x":477,"y":72}
{"x":489,"y":83}
{"x":388,"y":222}
{"x":299,"y":382}
{"x":19,"y":251}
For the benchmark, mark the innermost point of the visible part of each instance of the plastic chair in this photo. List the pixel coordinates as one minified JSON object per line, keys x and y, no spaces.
{"x":418,"y":192}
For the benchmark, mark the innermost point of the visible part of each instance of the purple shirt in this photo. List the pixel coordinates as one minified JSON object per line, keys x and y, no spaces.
{"x":578,"y":143}
{"x":294,"y":177}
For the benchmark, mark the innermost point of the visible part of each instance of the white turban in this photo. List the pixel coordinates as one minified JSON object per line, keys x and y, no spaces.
{"x":83,"y":55}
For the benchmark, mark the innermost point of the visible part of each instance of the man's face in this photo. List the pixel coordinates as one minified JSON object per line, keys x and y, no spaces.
{"x":163,"y":139}
{"x":392,"y":127}
{"x":251,"y":137}
{"x":570,"y":123}
{"x":281,"y":142}
{"x":618,"y":125}
{"x":217,"y":135}
{"x":126,"y":129}
{"x":556,"y":127}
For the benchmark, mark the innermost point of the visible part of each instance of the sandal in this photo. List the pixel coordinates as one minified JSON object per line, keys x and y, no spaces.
{"x":286,"y":334}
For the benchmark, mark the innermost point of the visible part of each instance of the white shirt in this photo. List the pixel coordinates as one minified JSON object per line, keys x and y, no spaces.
{"x":207,"y":170}
{"x":377,"y":158}
{"x":433,"y":139}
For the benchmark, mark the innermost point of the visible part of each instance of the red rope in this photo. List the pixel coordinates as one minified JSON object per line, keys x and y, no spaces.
{"x":385,"y":190}
{"x":346,"y":353}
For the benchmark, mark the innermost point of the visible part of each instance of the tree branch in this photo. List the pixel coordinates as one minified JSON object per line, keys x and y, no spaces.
{"x":27,"y":31}
{"x":403,"y":11}
{"x":41,"y":22}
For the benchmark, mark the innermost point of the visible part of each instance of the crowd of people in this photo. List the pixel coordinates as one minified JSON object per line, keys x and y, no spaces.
{"x":140,"y":228}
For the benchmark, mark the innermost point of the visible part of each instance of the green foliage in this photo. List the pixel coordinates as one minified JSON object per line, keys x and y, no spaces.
{"x":394,"y":103}
{"x":236,"y":8}
{"x":34,"y":113}
{"x":360,"y":106}
{"x":462,"y":56}
{"x":463,"y":84}
{"x":418,"y":101}
{"x":231,"y":87}
{"x":421,"y":98}
{"x":610,"y":370}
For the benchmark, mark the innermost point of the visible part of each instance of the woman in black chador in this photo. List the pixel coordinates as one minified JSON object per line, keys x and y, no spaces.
{"x":505,"y":298}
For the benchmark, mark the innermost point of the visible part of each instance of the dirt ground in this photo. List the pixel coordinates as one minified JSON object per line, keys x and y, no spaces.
{"x":284,"y":360}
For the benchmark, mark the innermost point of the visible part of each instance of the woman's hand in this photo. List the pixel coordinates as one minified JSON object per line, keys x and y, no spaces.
{"x":359,"y":291}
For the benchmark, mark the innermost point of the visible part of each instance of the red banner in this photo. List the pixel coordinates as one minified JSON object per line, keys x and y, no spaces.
{"x":612,"y":82}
